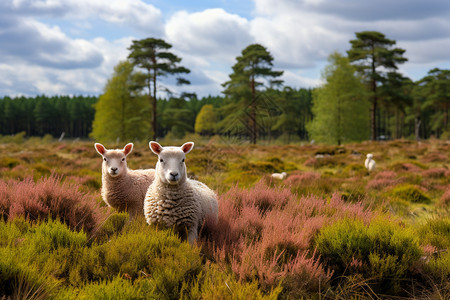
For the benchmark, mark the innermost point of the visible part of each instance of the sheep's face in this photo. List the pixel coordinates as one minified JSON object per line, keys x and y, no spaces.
{"x":114,"y":161}
{"x":370,"y":156}
{"x":170,"y":167}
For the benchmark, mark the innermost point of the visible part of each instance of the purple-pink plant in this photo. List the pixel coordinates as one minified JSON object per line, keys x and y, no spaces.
{"x":49,"y":197}
{"x":267,"y":233}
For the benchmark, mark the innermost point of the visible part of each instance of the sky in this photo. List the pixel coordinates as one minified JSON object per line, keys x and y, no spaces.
{"x":70,"y":47}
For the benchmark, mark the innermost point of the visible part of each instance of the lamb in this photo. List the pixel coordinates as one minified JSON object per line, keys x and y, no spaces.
{"x":279,"y":176}
{"x":370,"y":163}
{"x":122,"y":188}
{"x":175,"y":201}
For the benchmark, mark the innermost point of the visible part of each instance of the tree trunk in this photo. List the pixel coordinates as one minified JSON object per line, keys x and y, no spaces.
{"x":373,"y":120}
{"x":253,"y":127}
{"x":417,"y":128}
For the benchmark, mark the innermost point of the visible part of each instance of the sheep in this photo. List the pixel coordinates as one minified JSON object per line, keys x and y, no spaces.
{"x":122,"y":188}
{"x":370,"y":163}
{"x":279,"y":176}
{"x":175,"y":201}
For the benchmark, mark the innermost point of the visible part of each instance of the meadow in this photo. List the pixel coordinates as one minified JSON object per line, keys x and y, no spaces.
{"x":330,"y":230}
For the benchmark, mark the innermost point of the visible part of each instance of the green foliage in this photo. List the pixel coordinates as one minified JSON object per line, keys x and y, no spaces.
{"x":152,"y":55}
{"x":113,"y":225}
{"x":243,"y":87}
{"x":121,"y":114}
{"x":117,"y":288}
{"x":372,"y":54}
{"x":214,"y":283}
{"x":206,"y":120}
{"x":438,"y":267}
{"x":381,"y":251}
{"x":340,"y":107}
{"x":436,"y":232}
{"x":42,"y":115}
{"x":410,"y":193}
{"x":23,"y":280}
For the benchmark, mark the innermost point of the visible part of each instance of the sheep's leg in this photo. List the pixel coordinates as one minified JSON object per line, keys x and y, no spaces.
{"x":192,"y":235}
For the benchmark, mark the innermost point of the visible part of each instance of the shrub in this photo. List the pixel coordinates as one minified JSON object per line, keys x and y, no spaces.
{"x":49,"y":197}
{"x":214,"y":283}
{"x":266,"y":235}
{"x":141,"y":252}
{"x":435,"y":173}
{"x":382,"y":180}
{"x":445,"y":199}
{"x":410,"y":193}
{"x":117,"y":288}
{"x":9,"y":162}
{"x":111,"y":226}
{"x":410,"y":166}
{"x":436,"y":232}
{"x":23,"y":280}
{"x":381,"y":251}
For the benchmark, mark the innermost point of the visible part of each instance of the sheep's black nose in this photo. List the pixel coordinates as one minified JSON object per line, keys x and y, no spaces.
{"x":114,"y":169}
{"x":174,"y":174}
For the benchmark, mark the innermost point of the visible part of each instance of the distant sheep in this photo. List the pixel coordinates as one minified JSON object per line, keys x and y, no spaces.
{"x":279,"y":176}
{"x":175,"y":201}
{"x":370,"y":163}
{"x":122,"y":188}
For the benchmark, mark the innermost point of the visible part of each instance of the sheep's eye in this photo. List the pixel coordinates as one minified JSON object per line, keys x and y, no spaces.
{"x":161,"y":160}
{"x":182,"y":160}
{"x":123,"y":159}
{"x":104,"y":158}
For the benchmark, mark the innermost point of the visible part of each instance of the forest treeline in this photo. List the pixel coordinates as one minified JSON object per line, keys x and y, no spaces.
{"x":362,"y":97}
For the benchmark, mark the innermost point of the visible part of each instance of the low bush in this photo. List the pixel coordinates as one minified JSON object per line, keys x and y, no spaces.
{"x":436,"y":232}
{"x":49,"y":197}
{"x":410,"y":193}
{"x":266,"y":233}
{"x":380,"y":251}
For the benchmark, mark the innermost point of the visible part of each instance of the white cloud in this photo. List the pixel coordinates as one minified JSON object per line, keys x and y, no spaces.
{"x":133,"y":13}
{"x":296,"y":41}
{"x":212,"y":33}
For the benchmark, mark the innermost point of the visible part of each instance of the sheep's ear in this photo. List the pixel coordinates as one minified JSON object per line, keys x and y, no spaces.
{"x":127,"y":149}
{"x":187,"y":147}
{"x":155,"y":147}
{"x":100,"y":148}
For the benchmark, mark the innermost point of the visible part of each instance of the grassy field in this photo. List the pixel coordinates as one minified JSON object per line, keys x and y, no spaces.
{"x":329,"y":230}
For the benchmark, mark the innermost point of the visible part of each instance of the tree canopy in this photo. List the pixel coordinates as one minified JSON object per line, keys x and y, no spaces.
{"x":371,"y":53}
{"x":340,"y":105}
{"x":120,"y":111}
{"x":152,"y":55}
{"x":254,"y":63}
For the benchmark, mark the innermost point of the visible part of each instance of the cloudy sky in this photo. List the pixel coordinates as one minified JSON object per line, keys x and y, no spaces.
{"x":70,"y":47}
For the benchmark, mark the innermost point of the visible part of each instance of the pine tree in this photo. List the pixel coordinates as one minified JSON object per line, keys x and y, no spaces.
{"x":340,"y":106}
{"x":254,"y":63}
{"x":120,"y":112}
{"x":153,"y":56}
{"x":371,"y":53}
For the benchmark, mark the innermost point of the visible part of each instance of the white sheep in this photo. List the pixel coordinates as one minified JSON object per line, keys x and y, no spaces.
{"x":370,"y":163}
{"x":279,"y":176}
{"x":122,"y":188}
{"x":175,"y":201}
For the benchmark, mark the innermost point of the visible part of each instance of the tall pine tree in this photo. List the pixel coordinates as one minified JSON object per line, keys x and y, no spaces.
{"x":372,"y":53}
{"x":153,"y":56}
{"x":254,"y":63}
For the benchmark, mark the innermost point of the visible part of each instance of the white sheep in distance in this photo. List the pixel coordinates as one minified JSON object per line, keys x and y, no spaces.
{"x":175,"y":201}
{"x":279,"y":176}
{"x":370,"y":163}
{"x":122,"y":188}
